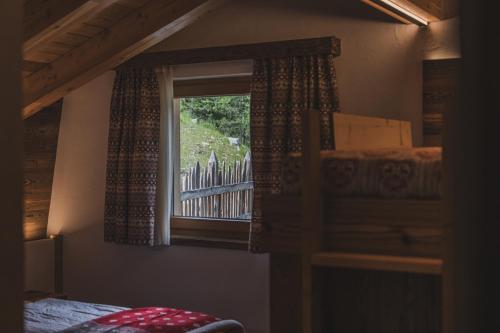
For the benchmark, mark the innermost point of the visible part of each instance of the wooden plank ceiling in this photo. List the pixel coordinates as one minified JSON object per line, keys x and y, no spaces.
{"x":70,"y":42}
{"x":442,"y":9}
{"x":431,"y":10}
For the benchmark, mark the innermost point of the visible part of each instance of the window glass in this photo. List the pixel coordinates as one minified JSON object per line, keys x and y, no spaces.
{"x":214,"y":176}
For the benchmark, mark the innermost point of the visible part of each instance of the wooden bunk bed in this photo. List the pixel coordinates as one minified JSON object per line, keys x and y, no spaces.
{"x":310,"y":233}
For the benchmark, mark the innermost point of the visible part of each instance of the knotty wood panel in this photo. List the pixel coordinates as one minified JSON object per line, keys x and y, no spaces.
{"x":357,"y":225}
{"x":440,"y":79}
{"x":40,"y":146}
{"x":361,"y":301}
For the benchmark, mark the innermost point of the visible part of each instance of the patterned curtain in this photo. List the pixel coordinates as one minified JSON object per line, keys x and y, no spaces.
{"x":283,"y":89}
{"x":133,"y":157}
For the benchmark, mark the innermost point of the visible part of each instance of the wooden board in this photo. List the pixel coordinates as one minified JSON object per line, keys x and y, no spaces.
{"x":46,"y":20}
{"x":361,"y":132}
{"x":41,"y":133}
{"x":440,"y":91}
{"x":107,"y":48}
{"x":378,"y":262}
{"x":398,"y":227}
{"x":360,"y":225}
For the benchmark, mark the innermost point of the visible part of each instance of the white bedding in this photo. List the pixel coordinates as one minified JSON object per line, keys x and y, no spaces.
{"x":54,"y":315}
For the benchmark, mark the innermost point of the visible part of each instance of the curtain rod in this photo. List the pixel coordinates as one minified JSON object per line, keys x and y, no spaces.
{"x":288,"y":48}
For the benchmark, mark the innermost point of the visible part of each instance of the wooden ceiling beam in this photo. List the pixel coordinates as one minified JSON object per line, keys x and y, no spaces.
{"x":133,"y":34}
{"x":32,"y":66}
{"x":45,"y":19}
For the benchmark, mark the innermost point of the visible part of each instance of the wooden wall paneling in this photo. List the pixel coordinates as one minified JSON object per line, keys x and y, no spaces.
{"x":440,"y":80}
{"x":41,"y":133}
{"x":361,"y":301}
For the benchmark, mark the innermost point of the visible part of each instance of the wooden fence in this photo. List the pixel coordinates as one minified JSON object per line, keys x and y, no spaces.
{"x":218,"y":191}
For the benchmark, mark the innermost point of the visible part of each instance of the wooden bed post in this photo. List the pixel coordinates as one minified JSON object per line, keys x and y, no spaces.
{"x":311,"y":222}
{"x":295,"y":283}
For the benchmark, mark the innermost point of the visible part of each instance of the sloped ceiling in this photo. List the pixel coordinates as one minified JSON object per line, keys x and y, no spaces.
{"x":70,"y":42}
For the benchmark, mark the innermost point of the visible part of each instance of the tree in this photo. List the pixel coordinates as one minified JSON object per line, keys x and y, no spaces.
{"x":230,"y":115}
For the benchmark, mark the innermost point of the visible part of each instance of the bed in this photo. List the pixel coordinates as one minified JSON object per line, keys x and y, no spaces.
{"x":374,"y":204}
{"x":57,"y":315}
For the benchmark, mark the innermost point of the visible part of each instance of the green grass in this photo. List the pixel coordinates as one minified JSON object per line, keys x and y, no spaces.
{"x":198,"y":140}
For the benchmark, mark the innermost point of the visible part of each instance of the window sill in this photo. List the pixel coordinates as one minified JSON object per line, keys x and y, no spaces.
{"x":226,"y":234}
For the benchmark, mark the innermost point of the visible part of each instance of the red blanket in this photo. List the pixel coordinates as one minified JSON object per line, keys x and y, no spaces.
{"x":146,"y":320}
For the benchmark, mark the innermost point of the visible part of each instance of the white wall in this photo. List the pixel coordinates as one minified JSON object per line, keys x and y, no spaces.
{"x":379,"y":71}
{"x":442,"y":40}
{"x":228,"y":283}
{"x":379,"y":74}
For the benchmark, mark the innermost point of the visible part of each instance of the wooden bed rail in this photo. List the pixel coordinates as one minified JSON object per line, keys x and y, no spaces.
{"x":432,"y":266}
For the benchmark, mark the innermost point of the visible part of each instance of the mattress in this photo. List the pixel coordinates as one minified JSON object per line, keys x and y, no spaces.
{"x":56,"y":315}
{"x":394,"y":173}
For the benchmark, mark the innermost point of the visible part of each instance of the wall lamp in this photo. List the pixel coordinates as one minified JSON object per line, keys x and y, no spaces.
{"x":402,"y":12}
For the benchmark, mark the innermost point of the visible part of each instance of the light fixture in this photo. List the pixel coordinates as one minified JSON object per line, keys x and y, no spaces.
{"x":403,"y":14}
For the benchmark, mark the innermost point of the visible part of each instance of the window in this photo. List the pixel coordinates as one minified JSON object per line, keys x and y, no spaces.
{"x":213,"y":188}
{"x":215,"y":175}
